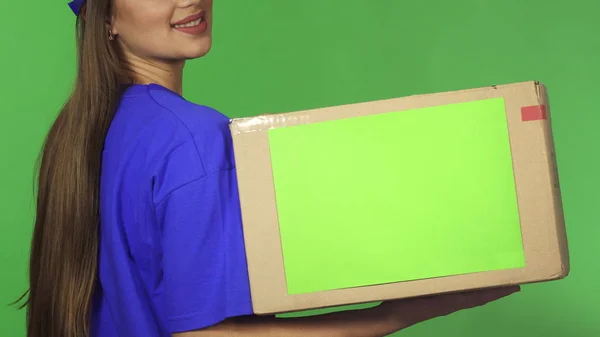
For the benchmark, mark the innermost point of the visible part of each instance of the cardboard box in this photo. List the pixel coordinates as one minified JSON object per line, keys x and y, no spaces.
{"x":400,"y":198}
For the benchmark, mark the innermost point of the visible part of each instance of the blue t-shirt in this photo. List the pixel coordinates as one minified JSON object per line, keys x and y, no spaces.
{"x":172,"y":254}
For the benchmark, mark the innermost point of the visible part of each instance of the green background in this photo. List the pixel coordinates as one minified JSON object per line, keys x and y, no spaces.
{"x":273,"y":55}
{"x":396,"y":197}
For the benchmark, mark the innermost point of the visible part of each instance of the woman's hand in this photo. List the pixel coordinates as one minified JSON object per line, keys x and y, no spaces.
{"x":404,"y":313}
{"x":380,"y":321}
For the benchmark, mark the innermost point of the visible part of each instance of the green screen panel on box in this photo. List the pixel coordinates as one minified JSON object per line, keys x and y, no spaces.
{"x":395,"y":197}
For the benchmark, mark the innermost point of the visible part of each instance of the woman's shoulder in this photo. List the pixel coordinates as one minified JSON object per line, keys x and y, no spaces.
{"x":161,"y":102}
{"x":162,"y":125}
{"x":154,"y":110}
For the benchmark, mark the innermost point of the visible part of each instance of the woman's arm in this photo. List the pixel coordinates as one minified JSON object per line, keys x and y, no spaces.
{"x":380,"y":321}
{"x":359,"y":323}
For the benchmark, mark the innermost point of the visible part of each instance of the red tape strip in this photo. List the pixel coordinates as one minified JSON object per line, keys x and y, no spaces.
{"x":533,"y":113}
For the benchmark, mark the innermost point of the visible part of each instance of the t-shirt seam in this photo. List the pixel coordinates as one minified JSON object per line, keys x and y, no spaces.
{"x":184,"y":126}
{"x":128,"y":95}
{"x":204,"y":176}
{"x":203,"y":312}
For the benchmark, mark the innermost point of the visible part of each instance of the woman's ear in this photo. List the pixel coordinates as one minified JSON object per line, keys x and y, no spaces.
{"x":112,"y":26}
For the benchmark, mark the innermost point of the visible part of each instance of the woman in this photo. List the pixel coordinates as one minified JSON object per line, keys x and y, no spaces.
{"x":137,"y":227}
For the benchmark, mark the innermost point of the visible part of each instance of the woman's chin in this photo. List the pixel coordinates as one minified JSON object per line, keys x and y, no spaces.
{"x":199,"y":50}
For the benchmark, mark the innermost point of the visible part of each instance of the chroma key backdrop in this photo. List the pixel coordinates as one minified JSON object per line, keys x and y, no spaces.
{"x":276,"y":56}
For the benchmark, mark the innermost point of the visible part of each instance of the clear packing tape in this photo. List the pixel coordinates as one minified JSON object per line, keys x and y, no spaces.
{"x":266,"y":122}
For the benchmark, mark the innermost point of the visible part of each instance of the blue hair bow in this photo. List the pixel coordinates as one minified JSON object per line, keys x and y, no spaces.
{"x":76,"y":6}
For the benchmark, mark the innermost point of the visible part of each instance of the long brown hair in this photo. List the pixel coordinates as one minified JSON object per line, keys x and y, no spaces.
{"x":64,"y":248}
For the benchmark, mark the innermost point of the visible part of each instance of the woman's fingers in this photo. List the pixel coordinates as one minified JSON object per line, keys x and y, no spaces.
{"x":415,"y":310}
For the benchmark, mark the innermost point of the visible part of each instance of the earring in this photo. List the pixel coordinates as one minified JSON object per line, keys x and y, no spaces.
{"x":110,"y":35}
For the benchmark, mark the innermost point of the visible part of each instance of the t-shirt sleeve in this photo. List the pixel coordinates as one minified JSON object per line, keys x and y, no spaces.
{"x":204,"y":270}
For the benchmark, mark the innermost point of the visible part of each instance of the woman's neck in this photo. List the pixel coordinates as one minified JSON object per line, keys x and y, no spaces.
{"x":168,"y":75}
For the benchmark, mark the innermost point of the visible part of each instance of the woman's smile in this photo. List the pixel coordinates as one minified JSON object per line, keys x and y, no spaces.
{"x":194,"y":24}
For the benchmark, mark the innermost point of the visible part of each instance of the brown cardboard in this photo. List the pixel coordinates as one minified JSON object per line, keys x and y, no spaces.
{"x":538,"y":192}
